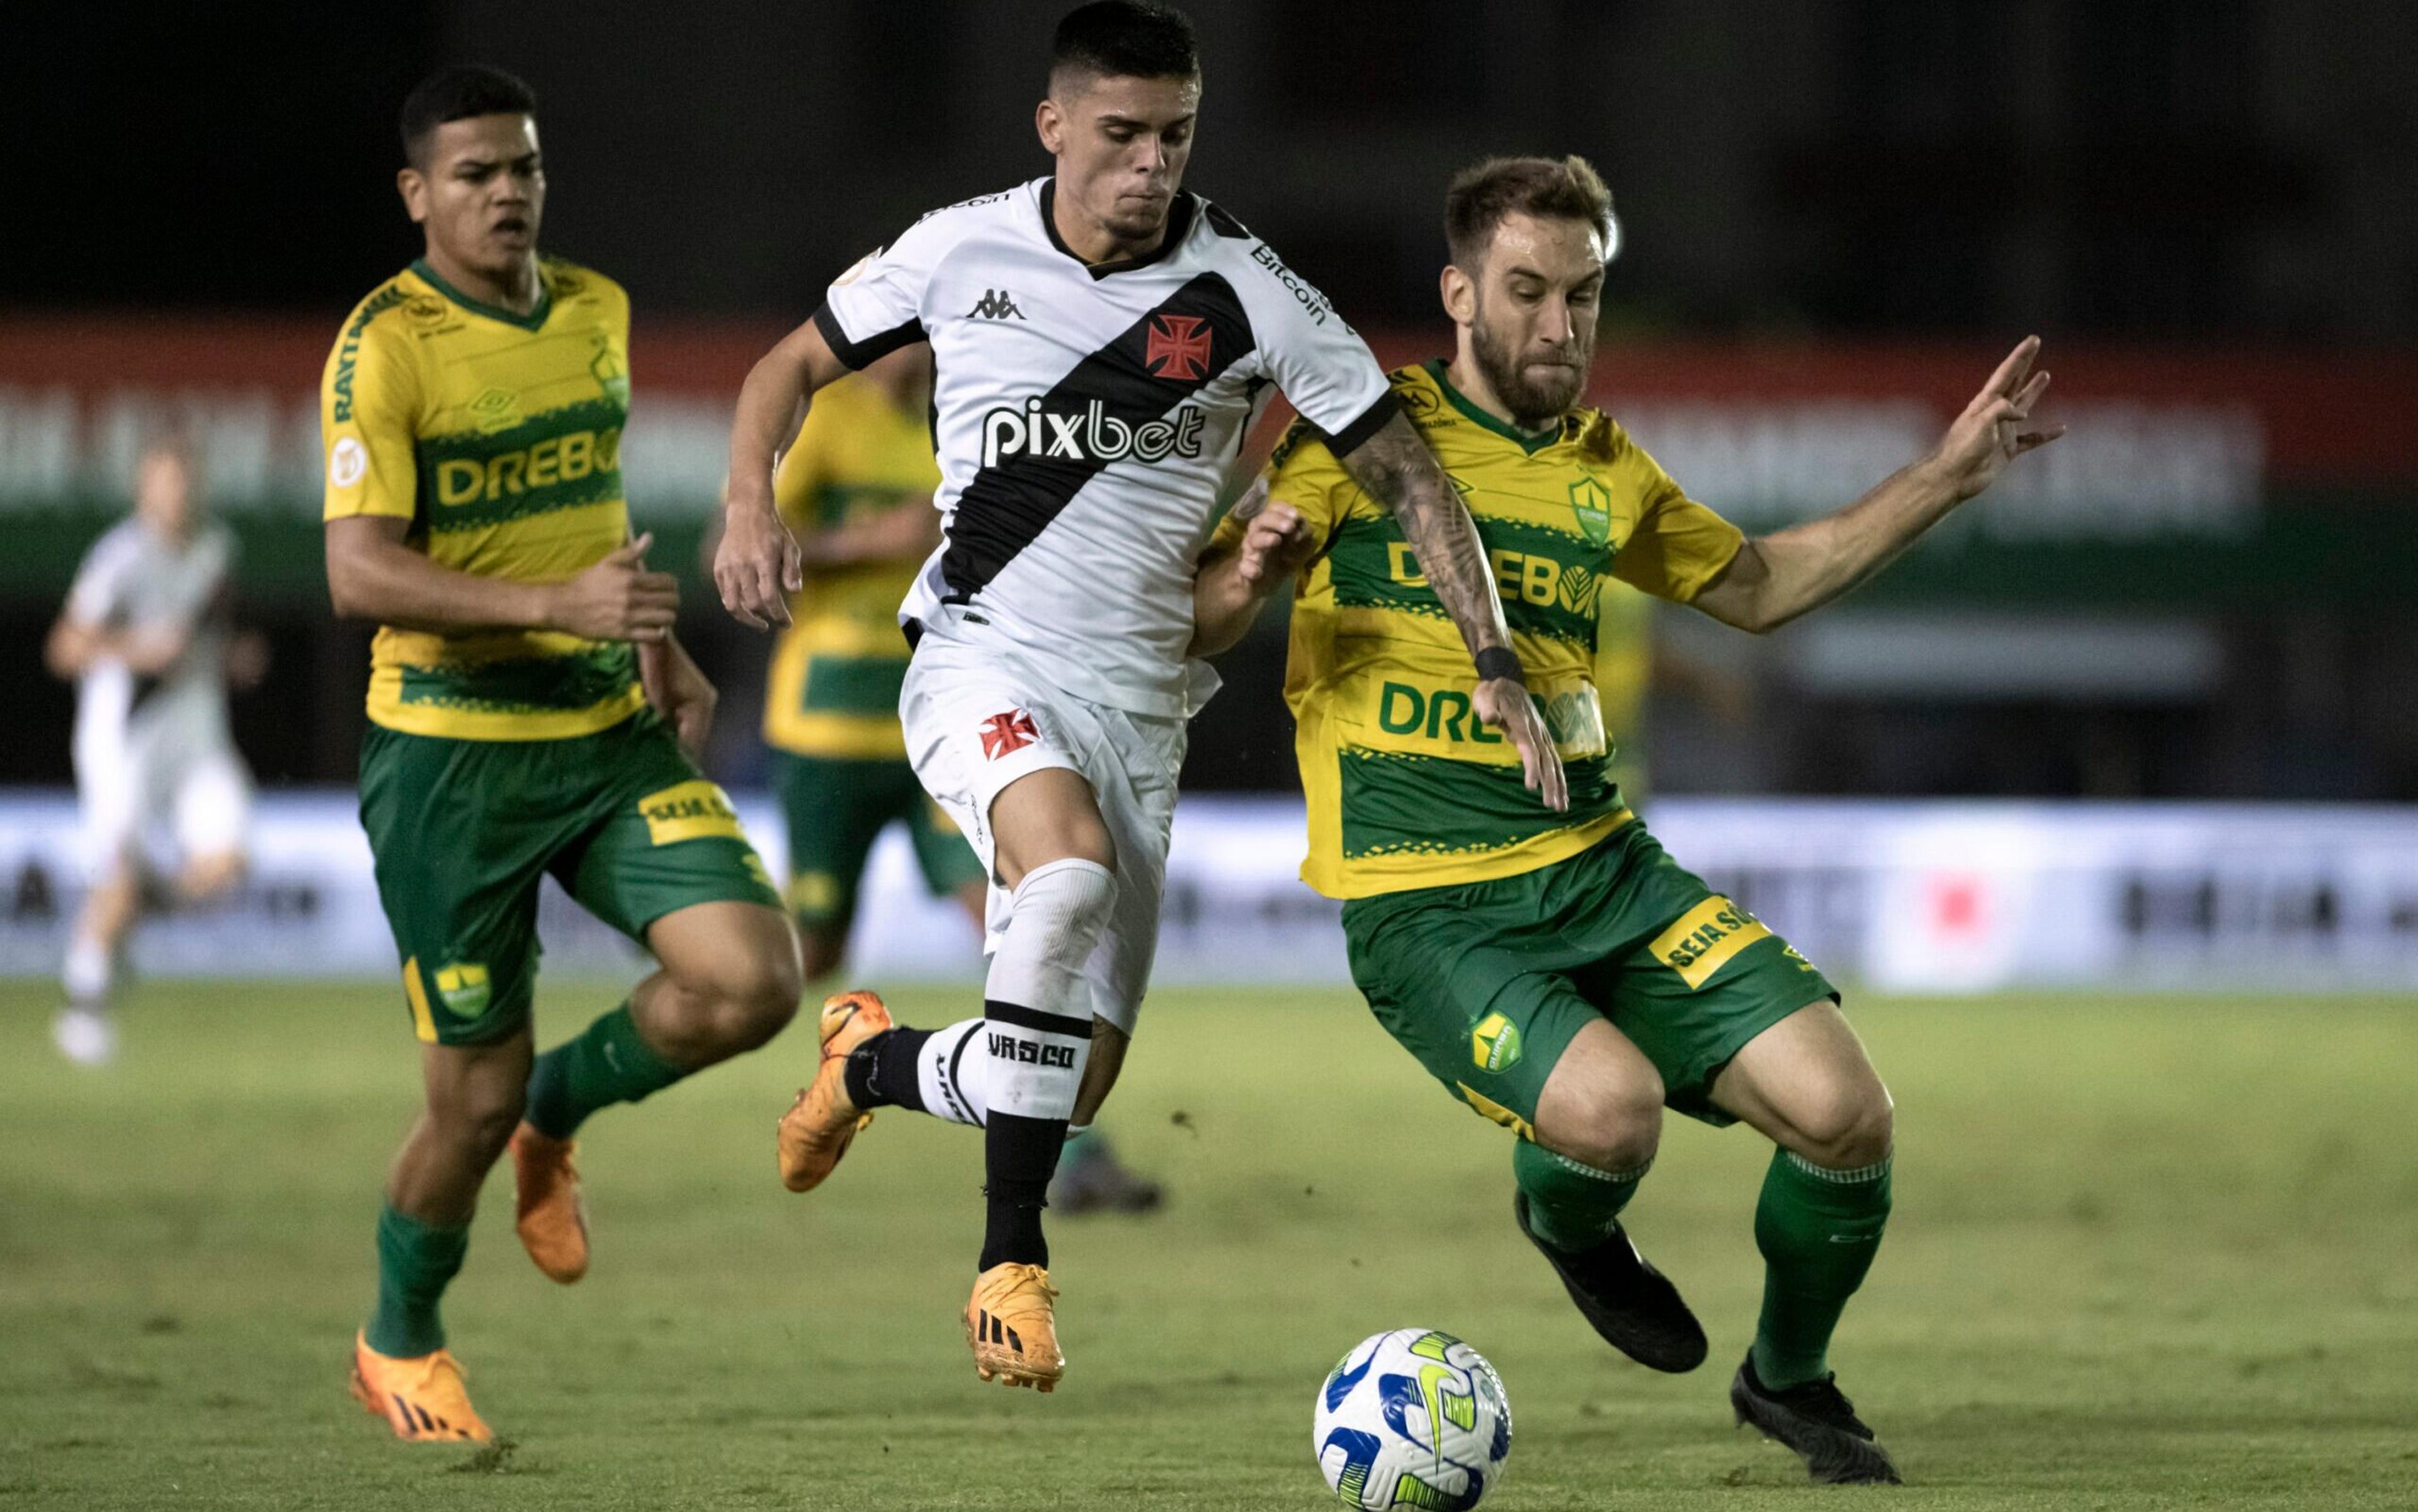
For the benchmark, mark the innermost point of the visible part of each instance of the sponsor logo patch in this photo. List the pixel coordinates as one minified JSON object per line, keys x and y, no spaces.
{"x":1004,"y":733}
{"x":1704,"y":939}
{"x":695,"y":810}
{"x":349,"y":462}
{"x":1090,"y":434}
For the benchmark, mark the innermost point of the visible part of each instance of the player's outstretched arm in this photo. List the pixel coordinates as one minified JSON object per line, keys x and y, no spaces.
{"x":756,"y":567}
{"x":1775,"y":578}
{"x":372,"y":575}
{"x":1400,"y":472}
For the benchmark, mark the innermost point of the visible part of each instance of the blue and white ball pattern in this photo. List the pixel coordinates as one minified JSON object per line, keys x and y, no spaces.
{"x":1411,"y":1418}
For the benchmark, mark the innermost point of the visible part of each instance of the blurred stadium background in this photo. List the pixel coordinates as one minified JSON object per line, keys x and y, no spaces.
{"x":2147,"y":716}
{"x":1832,"y":220}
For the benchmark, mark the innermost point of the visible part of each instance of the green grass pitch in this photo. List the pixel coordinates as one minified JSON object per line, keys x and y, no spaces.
{"x":2147,"y":1253}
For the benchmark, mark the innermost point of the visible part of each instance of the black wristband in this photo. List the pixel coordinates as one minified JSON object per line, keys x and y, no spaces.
{"x":1501,"y":662}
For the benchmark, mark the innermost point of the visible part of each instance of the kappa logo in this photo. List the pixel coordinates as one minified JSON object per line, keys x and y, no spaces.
{"x":1004,"y":733}
{"x":995,"y":304}
{"x":1178,"y":348}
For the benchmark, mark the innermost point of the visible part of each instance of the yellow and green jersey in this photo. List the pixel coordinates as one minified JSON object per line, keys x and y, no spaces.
{"x":837,"y":671}
{"x":1624,"y":672}
{"x":499,"y":437}
{"x":1406,"y":788}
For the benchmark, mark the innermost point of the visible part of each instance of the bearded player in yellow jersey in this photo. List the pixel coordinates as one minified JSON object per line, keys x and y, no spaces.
{"x":855,"y":488}
{"x":528,"y":709}
{"x":1557,"y":971}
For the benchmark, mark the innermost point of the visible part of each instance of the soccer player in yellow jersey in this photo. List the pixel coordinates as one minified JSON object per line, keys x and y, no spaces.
{"x":528,"y":711}
{"x":1557,"y":971}
{"x":855,"y":488}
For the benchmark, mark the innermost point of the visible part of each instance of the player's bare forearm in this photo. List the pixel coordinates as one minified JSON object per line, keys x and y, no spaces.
{"x":771,"y":404}
{"x":679,"y":691}
{"x":1779,"y":577}
{"x":756,"y":566}
{"x":1223,"y":605}
{"x":372,"y":575}
{"x":1399,"y":471}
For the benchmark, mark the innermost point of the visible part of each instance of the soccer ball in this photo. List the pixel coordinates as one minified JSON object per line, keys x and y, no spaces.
{"x":1411,"y":1418}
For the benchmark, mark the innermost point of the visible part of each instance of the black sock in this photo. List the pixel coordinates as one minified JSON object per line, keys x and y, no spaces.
{"x":881,"y":1072}
{"x":1020,"y":1156}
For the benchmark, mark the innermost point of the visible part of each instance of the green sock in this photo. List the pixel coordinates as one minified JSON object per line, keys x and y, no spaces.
{"x":1570,"y":1206}
{"x":1819,"y":1230}
{"x":416,"y":1262}
{"x":607,"y":1064}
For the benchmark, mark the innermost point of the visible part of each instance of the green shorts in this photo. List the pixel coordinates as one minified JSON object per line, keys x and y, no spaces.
{"x":462,"y":830}
{"x":836,"y":809}
{"x":1486,"y":983}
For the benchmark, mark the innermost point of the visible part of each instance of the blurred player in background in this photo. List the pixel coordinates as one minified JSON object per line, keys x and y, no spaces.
{"x":530,"y":713}
{"x":147,"y":635}
{"x":1102,"y":340}
{"x":855,"y":488}
{"x":1559,"y":971}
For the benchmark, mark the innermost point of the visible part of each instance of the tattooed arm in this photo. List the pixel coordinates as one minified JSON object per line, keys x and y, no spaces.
{"x":1400,"y":472}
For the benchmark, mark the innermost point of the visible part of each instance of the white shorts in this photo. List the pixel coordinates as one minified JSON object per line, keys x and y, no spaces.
{"x":976,"y":722}
{"x":131,"y":790}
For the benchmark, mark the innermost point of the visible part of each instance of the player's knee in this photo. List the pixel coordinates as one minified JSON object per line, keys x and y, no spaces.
{"x":1847,"y":1127}
{"x":754,"y":997}
{"x":1608,"y":1122}
{"x":1067,"y":903}
{"x":480,"y":1117}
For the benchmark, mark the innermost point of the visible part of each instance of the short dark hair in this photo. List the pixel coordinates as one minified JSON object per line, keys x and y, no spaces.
{"x":1562,"y":189}
{"x":1126,"y":39}
{"x":455,"y":93}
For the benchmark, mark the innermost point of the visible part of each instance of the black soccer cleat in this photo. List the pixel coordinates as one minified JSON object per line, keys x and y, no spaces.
{"x":1817,"y":1422}
{"x":1633,"y":1306}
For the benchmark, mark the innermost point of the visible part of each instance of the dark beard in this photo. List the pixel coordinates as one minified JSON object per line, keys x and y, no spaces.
{"x":1532,"y":405}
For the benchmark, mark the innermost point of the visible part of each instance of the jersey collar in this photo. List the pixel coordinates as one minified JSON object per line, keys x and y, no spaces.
{"x":1531,"y":442}
{"x":532,"y":321}
{"x":1179,"y":224}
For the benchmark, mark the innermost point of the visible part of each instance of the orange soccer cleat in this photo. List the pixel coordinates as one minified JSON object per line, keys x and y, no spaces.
{"x":1014,"y":1329}
{"x":546,"y":1210}
{"x":817,"y":1128}
{"x":424,"y":1401}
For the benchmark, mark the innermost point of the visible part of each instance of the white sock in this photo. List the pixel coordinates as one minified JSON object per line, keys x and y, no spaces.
{"x":953,"y":1077}
{"x":89,"y":971}
{"x":1037,"y":1006}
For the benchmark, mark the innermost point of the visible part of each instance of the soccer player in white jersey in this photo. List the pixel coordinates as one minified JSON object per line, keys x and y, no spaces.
{"x":1102,"y":340}
{"x":145,"y":635}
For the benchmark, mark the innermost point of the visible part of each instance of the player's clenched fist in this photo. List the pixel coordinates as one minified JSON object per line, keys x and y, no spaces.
{"x":618,"y":599}
{"x":758,"y":566}
{"x":1275,"y":545}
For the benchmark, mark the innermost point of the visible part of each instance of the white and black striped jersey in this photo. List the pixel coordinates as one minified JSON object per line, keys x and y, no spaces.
{"x":1086,"y":418}
{"x":135,"y":579}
